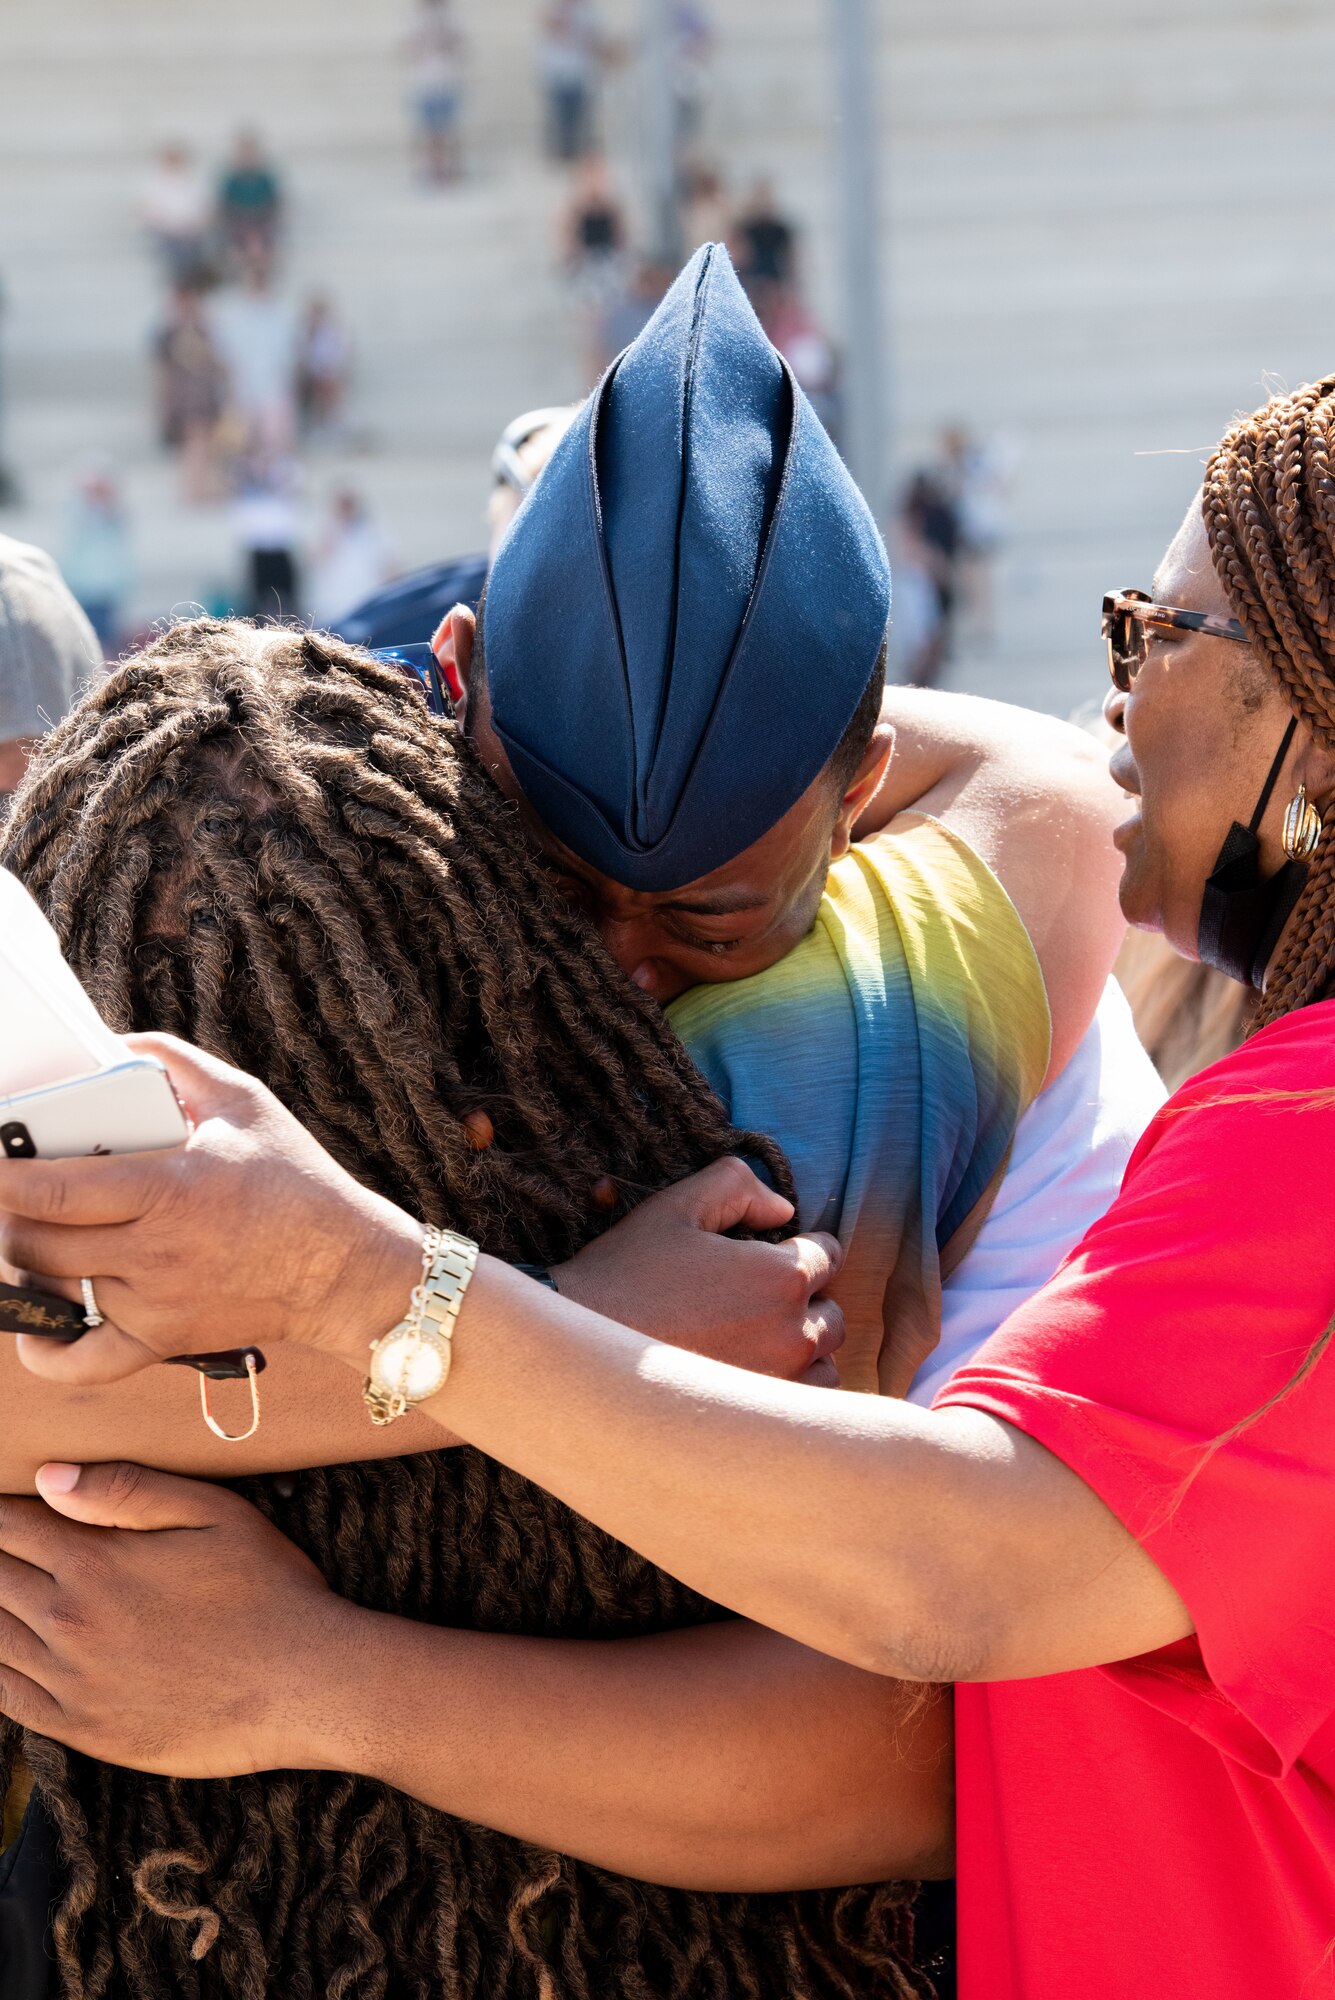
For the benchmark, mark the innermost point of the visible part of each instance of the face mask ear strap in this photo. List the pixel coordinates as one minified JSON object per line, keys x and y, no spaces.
{"x":1273,"y":778}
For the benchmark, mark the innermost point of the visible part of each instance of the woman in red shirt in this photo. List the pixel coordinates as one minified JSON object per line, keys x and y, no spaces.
{"x":1113,"y":1532}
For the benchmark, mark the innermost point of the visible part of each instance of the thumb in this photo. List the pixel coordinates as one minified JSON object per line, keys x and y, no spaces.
{"x":729,"y":1195}
{"x":206,"y":1086}
{"x":124,"y":1495}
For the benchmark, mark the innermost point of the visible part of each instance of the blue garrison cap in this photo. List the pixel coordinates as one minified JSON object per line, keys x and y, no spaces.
{"x":687,"y":609}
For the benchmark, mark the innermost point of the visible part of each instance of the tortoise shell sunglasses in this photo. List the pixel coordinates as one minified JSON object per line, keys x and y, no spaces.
{"x":1129,"y":617}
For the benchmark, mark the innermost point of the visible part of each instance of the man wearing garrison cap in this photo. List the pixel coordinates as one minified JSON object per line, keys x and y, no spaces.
{"x":678,"y":675}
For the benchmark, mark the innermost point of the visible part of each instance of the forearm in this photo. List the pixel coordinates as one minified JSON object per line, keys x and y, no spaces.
{"x":923,"y":1545}
{"x":311,"y":1414}
{"x":724,"y":1758}
{"x":751,"y":1490}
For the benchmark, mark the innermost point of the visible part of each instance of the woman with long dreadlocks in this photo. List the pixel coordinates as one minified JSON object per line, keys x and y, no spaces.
{"x":1113,"y":1530}
{"x":264,"y":840}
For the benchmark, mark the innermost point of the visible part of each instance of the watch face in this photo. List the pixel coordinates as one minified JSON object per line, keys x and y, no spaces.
{"x":408,"y":1364}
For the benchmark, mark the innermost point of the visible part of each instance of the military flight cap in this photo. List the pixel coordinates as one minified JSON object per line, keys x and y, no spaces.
{"x":687,"y":609}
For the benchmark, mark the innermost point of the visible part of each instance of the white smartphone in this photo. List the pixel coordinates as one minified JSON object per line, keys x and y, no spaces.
{"x":129,"y":1107}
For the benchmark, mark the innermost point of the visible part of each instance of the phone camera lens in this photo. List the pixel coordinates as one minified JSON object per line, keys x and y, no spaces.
{"x":17,"y":1141}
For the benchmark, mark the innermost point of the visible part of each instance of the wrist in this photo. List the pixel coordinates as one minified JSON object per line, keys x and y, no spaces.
{"x":366,"y":1301}
{"x":338,"y":1699}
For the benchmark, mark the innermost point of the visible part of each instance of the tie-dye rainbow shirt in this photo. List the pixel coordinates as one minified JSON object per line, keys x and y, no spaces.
{"x":891,"y":1055}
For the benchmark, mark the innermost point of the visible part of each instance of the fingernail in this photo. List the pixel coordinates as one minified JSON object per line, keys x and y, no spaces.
{"x":57,"y":1478}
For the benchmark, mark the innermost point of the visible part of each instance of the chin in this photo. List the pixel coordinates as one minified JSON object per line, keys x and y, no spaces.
{"x":1139,"y":905}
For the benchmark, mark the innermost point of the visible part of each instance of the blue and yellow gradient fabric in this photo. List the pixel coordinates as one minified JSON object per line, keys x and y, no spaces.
{"x":891,"y":1055}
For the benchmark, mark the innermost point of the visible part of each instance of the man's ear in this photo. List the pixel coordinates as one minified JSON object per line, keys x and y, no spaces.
{"x":866,"y":783}
{"x":452,"y":644}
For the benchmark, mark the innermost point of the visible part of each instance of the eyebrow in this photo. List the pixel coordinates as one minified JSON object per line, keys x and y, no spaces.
{"x":728,"y":903}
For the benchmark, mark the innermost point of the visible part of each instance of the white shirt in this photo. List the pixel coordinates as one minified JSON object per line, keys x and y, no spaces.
{"x":1071,"y":1149}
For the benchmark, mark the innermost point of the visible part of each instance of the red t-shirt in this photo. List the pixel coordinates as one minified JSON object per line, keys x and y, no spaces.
{"x":1164,"y":1829}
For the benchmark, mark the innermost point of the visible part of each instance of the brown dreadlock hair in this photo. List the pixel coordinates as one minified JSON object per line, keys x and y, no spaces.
{"x":263,"y":842}
{"x":1269,"y":506}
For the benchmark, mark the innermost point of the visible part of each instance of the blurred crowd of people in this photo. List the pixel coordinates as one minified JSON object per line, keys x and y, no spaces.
{"x":244,"y":371}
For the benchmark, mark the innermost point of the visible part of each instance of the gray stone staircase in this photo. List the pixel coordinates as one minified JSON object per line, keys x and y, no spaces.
{"x":1105,"y":230}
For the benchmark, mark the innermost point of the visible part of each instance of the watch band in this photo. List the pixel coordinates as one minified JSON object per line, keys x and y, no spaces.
{"x":412,"y":1360}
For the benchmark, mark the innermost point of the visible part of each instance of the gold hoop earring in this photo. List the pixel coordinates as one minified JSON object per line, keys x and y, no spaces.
{"x":1302,"y":826}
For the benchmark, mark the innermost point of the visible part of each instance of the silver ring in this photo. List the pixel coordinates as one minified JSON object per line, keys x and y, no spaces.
{"x":90,"y":1311}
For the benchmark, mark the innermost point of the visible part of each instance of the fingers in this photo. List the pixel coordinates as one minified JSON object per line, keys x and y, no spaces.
{"x":24,"y":1701}
{"x":26,"y":1589}
{"x":61,"y":1250}
{"x":728,"y":1195}
{"x":85,"y":1192}
{"x":818,"y":1257}
{"x":27,"y":1532}
{"x":20,"y":1646}
{"x":124,"y":1495}
{"x":825,"y":1328}
{"x":106,"y":1354}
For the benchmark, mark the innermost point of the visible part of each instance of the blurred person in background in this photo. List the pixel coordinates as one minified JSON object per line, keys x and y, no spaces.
{"x":631,"y":311}
{"x":351,"y":560}
{"x":915,"y":624}
{"x":191,"y":385}
{"x":802,"y":342}
{"x":407,"y":611}
{"x":264,"y":515}
{"x":594,"y":240}
{"x":765,"y":243}
{"x":257,"y":335}
{"x":692,"y":47}
{"x":250,"y":198}
{"x":929,"y":525}
{"x":706,"y":216}
{"x":522,"y":451}
{"x":436,"y":52}
{"x":48,"y":650}
{"x":324,"y":366}
{"x":976,"y":476}
{"x":176,"y":208}
{"x":95,"y":552}
{"x":570,"y":56}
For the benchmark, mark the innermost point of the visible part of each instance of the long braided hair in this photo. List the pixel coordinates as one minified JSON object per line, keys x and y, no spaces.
{"x":1269,"y":506}
{"x":264,"y":843}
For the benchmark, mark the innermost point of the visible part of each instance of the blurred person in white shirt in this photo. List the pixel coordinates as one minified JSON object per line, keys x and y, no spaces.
{"x":176,"y":208}
{"x":352,"y":559}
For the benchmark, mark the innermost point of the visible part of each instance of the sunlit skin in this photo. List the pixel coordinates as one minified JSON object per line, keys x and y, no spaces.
{"x":734,"y":921}
{"x":1202,"y":722}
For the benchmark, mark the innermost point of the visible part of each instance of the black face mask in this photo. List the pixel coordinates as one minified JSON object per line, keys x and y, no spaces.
{"x":1242,"y":915}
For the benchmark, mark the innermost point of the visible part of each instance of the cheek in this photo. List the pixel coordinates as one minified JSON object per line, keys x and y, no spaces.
{"x":1184,"y":819}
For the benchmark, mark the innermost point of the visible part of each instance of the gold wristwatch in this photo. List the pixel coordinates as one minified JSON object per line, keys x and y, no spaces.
{"x":412,"y":1360}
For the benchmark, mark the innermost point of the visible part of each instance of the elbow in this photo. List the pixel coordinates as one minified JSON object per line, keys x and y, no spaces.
{"x":933,"y":1635}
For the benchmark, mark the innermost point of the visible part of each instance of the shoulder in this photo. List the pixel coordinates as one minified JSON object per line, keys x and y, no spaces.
{"x":966,"y":951}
